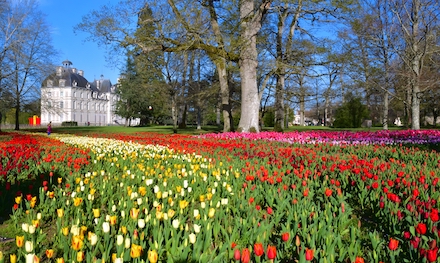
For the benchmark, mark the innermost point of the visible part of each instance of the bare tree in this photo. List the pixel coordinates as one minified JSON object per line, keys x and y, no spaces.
{"x":30,"y":56}
{"x":418,"y":20}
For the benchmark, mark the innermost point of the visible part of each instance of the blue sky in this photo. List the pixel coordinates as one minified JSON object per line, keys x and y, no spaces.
{"x":62,"y":16}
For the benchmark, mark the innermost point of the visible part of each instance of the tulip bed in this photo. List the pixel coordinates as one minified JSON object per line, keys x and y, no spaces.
{"x":231,"y":197}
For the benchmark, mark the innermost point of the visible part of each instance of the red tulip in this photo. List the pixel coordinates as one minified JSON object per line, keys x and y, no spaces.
{"x":285,"y":236}
{"x":309,"y":254}
{"x":269,"y":210}
{"x":328,"y":192}
{"x":434,"y":215}
{"x":431,"y":255}
{"x":258,"y":249}
{"x":245,"y":256}
{"x":421,"y":228}
{"x":393,"y":244}
{"x":271,"y":252}
{"x":237,"y":255}
{"x":359,"y":260}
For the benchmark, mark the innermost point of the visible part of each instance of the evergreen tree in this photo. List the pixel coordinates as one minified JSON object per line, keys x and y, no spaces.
{"x":351,"y":114}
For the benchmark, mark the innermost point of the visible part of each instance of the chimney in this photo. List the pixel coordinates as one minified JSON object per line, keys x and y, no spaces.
{"x":81,"y":73}
{"x":59,"y":71}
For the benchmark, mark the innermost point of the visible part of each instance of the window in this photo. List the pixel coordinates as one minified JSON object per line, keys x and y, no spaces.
{"x":74,"y":94}
{"x":61,"y":93}
{"x":61,"y":104}
{"x":74,"y":105}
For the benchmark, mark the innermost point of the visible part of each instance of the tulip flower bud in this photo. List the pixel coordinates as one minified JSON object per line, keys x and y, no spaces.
{"x":93,"y":238}
{"x":106,"y":227}
{"x":25,"y":227}
{"x":127,"y":242}
{"x":176,"y":223}
{"x":211,"y":212}
{"x":31,"y":229}
{"x":29,"y":246}
{"x":13,"y":258}
{"x":30,"y":258}
{"x":192,"y":238}
{"x":119,"y":240}
{"x":141,"y":223}
{"x":197,"y":228}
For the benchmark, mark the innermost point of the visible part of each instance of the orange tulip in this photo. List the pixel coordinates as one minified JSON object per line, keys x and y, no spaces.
{"x":49,"y":253}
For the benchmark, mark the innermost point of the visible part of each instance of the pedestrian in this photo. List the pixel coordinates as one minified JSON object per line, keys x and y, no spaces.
{"x":49,"y":128}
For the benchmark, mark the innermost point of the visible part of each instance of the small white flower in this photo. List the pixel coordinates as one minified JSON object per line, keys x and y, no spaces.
{"x":176,"y":223}
{"x":119,"y":240}
{"x":29,"y":246}
{"x":25,"y":227}
{"x":192,"y":238}
{"x":141,"y":223}
{"x":197,"y":228}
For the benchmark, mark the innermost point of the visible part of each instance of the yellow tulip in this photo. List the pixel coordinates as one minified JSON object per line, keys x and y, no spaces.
{"x":65,"y":231}
{"x":211,"y":212}
{"x":96,"y":212}
{"x":33,"y":201}
{"x":183,"y":204}
{"x":60,"y":260}
{"x":152,"y":256}
{"x":134,"y":212}
{"x":80,"y":256}
{"x":77,"y":243}
{"x":77,"y":201}
{"x":60,"y":212}
{"x":49,"y":253}
{"x":13,"y":258}
{"x":19,"y":240}
{"x":113,"y":220}
{"x":60,"y":180}
{"x":135,"y":251}
{"x":142,"y":190}
{"x":18,"y":199}
{"x":171,"y":213}
{"x":35,"y":223}
{"x":51,"y":194}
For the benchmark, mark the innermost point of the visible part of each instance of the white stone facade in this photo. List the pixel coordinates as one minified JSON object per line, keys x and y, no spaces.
{"x":66,"y":96}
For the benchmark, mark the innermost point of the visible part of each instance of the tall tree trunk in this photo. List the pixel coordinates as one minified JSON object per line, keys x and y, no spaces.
{"x":174,"y":112}
{"x":17,"y":116}
{"x":250,"y":100}
{"x":279,"y":103}
{"x":385,"y":110}
{"x":302,"y":110}
{"x":224,"y":94}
